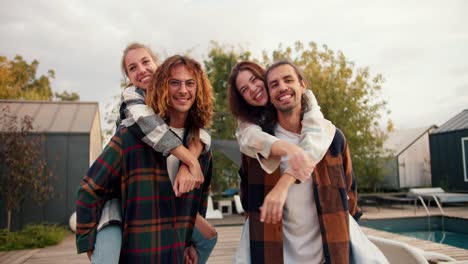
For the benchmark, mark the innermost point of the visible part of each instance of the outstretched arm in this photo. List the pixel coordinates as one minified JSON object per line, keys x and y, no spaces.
{"x":257,"y":144}
{"x":268,"y":150}
{"x":144,"y":124}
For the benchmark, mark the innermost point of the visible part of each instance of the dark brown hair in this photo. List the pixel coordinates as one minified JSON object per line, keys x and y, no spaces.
{"x":238,"y":107}
{"x":272,"y":119}
{"x":275,"y":65}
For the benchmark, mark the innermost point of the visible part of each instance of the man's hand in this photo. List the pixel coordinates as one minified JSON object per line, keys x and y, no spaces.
{"x":190,"y":255}
{"x":184,"y":181}
{"x":196,"y":173}
{"x":300,"y":163}
{"x":271,"y":210}
{"x":190,"y":162}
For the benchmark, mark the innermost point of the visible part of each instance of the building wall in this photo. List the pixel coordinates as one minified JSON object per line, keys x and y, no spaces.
{"x":67,"y":157}
{"x":390,"y":180}
{"x":95,"y":142}
{"x":447,"y":160}
{"x":414,"y":164}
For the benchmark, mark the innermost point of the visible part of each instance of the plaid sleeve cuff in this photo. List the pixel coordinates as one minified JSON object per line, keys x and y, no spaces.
{"x":85,"y":242}
{"x":168,"y":142}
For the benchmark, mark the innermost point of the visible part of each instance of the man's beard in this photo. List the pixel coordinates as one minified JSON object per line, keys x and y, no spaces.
{"x":286,"y":109}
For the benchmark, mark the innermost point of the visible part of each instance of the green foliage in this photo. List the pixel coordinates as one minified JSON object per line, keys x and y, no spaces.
{"x":220,"y":61}
{"x":18,"y":81}
{"x":23,"y":169}
{"x":218,"y":65}
{"x":110,"y":118}
{"x":65,"y":96}
{"x":32,"y":236}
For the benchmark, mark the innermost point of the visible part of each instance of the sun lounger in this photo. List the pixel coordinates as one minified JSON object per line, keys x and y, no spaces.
{"x":399,"y":252}
{"x":238,"y":204}
{"x":392,"y":199}
{"x":442,"y":196}
{"x":211,"y":213}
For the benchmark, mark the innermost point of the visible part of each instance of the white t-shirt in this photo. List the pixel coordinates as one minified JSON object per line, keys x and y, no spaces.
{"x":302,"y":240}
{"x":172,"y":161}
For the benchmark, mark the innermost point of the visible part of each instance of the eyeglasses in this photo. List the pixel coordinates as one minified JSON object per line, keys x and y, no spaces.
{"x":189,"y":84}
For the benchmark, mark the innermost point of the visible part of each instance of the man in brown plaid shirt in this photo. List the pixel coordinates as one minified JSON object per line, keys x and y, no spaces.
{"x":292,"y":222}
{"x":157,"y":225}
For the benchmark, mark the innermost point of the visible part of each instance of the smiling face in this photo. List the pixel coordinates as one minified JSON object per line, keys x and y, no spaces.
{"x":140,"y":67}
{"x":285,"y":88}
{"x":182,"y":90}
{"x":251,"y":88}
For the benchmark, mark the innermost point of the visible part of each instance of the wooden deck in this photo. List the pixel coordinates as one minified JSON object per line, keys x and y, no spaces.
{"x":229,"y":230}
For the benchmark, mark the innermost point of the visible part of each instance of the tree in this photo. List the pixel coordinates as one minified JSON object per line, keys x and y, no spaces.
{"x":218,"y":65}
{"x":23,"y":170}
{"x":110,"y":118}
{"x":65,"y":96}
{"x":18,"y":81}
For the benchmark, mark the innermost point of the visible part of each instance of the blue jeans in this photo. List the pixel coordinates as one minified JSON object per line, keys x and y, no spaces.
{"x":203,"y":245}
{"x":107,"y":246}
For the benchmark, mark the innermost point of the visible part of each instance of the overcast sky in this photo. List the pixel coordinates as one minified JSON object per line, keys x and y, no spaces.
{"x":420,"y":47}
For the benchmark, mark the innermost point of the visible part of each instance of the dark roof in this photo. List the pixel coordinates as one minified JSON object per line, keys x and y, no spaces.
{"x":55,"y":117}
{"x":230,"y":148}
{"x":458,"y":122}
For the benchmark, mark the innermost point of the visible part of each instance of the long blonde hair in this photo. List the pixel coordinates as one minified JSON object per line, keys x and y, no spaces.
{"x":133,"y":46}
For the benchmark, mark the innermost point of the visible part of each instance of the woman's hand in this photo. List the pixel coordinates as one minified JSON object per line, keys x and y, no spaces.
{"x":300,"y":163}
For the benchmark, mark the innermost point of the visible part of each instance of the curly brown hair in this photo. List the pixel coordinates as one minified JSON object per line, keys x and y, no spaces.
{"x":201,"y":113}
{"x":237,"y":104}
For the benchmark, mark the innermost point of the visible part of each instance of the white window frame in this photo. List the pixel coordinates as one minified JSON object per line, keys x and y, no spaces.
{"x":465,"y":172}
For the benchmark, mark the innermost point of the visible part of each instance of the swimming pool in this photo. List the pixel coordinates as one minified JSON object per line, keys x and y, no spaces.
{"x":446,"y":230}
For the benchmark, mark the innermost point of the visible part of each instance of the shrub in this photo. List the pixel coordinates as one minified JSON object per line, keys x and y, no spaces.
{"x":32,"y":236}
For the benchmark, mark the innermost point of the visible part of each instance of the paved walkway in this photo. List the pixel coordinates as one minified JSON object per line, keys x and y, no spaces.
{"x":229,"y":230}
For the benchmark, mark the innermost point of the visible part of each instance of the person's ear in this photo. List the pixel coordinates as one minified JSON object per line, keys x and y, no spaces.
{"x":303,"y":84}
